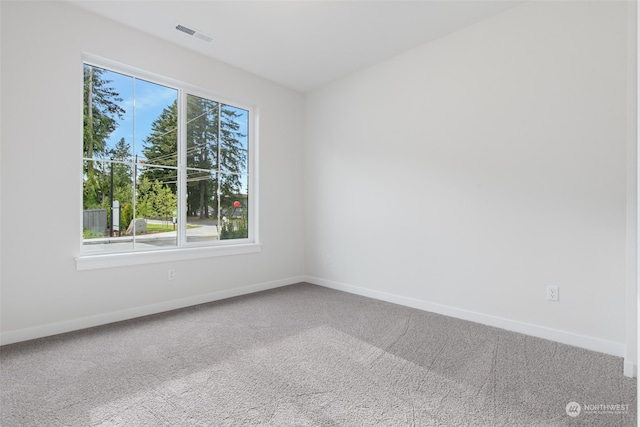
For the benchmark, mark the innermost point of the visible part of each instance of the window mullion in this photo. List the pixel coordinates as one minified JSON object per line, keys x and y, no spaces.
{"x":218,"y":162}
{"x":181,"y":186}
{"x":134,"y":149}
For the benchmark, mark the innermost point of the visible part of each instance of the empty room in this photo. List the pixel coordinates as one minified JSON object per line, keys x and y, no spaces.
{"x":322,"y":213}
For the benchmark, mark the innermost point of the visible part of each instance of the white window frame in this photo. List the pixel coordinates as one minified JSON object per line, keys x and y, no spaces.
{"x":183,"y":251}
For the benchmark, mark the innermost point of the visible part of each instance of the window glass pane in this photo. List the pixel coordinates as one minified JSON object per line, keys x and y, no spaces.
{"x":202,"y":206}
{"x":108,"y":208}
{"x":104,"y":110}
{"x":156,"y":206}
{"x":120,"y":139}
{"x":234,"y":140}
{"x":160,"y":137}
{"x":128,"y":123}
{"x":202,"y":133}
{"x":201,"y":194}
{"x":228,"y":220}
{"x":235,"y":210}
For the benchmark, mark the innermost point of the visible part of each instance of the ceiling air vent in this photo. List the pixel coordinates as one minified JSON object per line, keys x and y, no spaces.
{"x":195,"y":33}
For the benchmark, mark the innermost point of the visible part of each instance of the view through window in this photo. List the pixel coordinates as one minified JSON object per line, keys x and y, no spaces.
{"x":149,"y":146}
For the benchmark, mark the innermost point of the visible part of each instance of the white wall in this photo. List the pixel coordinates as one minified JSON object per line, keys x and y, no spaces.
{"x":462,"y":177}
{"x":468,"y":174}
{"x":631,"y":355}
{"x":42,"y":292}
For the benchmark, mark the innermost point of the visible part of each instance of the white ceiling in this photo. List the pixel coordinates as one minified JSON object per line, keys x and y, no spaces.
{"x":299,"y":44}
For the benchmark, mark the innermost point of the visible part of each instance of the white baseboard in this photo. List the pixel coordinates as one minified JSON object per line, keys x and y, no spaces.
{"x":26,"y":334}
{"x":630,"y":369}
{"x":589,"y":343}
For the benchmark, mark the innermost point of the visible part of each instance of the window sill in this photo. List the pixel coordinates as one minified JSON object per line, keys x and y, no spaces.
{"x":92,"y":262}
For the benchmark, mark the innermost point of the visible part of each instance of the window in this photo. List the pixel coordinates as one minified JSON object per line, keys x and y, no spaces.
{"x":165,"y":166}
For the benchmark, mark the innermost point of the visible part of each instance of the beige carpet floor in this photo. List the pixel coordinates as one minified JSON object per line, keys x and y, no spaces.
{"x":304,"y":355}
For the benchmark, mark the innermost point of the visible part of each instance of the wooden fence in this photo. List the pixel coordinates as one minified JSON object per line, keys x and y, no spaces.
{"x":95,"y":220}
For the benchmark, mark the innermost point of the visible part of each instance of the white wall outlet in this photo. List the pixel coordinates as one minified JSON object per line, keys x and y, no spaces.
{"x":552,"y":293}
{"x":171,"y":274}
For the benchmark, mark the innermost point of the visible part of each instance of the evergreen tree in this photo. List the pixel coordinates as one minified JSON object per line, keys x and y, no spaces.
{"x":144,"y":199}
{"x":202,"y":142}
{"x":123,"y":172}
{"x":101,"y":109}
{"x":160,"y":148}
{"x":164,"y":201}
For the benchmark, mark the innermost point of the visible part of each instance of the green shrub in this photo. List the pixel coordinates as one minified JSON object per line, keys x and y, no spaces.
{"x":235,"y":229}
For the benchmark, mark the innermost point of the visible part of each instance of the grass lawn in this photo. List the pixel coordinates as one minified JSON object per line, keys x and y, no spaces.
{"x":151,"y":228}
{"x":161,"y":228}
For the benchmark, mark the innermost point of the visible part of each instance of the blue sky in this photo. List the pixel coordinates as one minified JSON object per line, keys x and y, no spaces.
{"x":143,"y":103}
{"x":150,"y":100}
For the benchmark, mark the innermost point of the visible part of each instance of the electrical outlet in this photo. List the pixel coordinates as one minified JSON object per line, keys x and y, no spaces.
{"x":171,"y":274}
{"x":552,"y":293}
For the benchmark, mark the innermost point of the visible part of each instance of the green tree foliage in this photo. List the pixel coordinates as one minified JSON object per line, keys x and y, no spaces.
{"x":212,"y":145}
{"x":164,"y":201}
{"x":144,"y":200}
{"x":155,"y":200}
{"x":233,"y":156}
